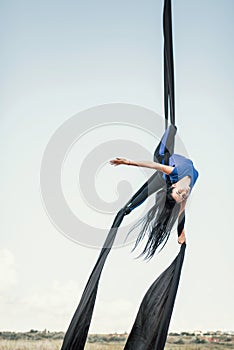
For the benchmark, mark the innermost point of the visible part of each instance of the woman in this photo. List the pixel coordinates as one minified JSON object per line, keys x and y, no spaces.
{"x":180,"y":176}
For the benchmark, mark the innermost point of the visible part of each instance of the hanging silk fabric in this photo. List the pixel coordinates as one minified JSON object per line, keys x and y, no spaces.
{"x":169,"y":93}
{"x":150,"y":329}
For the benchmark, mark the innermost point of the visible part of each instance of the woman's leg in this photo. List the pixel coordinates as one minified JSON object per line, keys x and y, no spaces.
{"x":166,"y":146}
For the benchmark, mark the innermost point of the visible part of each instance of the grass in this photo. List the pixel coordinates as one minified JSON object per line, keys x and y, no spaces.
{"x":56,"y":345}
{"x":30,"y":344}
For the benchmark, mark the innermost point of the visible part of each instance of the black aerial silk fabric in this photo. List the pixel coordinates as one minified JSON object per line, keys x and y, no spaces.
{"x":150,"y":328}
{"x":77,"y":332}
{"x":161,"y":294}
{"x":169,"y":93}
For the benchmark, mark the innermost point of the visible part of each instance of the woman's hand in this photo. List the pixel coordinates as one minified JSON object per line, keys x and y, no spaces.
{"x":119,"y":161}
{"x":182,"y":238}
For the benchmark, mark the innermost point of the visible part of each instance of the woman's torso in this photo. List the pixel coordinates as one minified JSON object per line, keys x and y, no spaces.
{"x":182,"y":167}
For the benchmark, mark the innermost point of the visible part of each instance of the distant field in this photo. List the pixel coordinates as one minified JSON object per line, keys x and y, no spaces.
{"x":56,"y":345}
{"x":30,"y":345}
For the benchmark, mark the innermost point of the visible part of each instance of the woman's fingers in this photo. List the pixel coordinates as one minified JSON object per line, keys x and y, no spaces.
{"x":115,"y":161}
{"x":118,"y":161}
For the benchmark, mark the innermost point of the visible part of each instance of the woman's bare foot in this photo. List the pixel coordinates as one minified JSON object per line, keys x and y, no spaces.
{"x":182,"y":238}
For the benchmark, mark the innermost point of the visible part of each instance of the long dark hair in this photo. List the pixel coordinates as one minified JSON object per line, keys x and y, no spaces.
{"x":158,"y":222}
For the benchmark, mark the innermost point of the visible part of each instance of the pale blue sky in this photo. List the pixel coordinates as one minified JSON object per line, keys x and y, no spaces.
{"x":62,"y":57}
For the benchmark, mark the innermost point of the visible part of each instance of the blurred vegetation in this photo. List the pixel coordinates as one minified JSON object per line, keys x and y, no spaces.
{"x":45,"y":340}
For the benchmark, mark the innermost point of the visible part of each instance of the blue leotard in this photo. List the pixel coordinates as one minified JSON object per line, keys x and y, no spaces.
{"x":182,"y":167}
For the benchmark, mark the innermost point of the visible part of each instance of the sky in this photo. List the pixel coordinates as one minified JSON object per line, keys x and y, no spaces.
{"x":76,"y":61}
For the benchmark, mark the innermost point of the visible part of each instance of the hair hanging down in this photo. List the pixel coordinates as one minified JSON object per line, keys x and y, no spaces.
{"x":157,"y":223}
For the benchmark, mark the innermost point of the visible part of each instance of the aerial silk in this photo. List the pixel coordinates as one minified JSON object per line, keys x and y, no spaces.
{"x":169,"y":93}
{"x":150,"y":329}
{"x":151,"y":325}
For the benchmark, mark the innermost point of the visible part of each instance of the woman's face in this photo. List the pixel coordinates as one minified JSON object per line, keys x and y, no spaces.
{"x":179,"y":194}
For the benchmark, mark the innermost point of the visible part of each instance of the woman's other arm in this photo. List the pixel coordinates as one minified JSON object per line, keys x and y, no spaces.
{"x":181,"y":222}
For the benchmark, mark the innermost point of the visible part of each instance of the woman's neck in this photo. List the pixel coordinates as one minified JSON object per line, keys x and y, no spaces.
{"x":185,"y":181}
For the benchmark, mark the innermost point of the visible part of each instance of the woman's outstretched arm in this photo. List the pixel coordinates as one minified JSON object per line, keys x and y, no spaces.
{"x":146,"y":164}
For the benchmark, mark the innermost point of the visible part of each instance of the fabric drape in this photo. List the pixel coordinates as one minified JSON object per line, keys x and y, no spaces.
{"x":149,"y":331}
